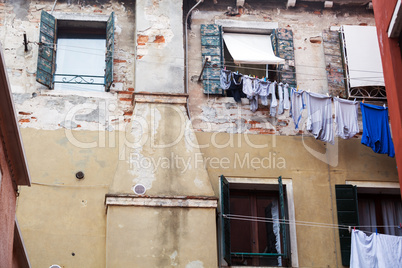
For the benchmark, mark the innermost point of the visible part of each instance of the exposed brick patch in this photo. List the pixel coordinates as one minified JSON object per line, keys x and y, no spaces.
{"x":363,"y":24}
{"x":316,"y":40}
{"x":24,"y":113}
{"x":139,"y":57}
{"x":33,"y":117}
{"x":124,"y":92}
{"x":24,"y":120}
{"x":142,"y":39}
{"x":317,"y":12}
{"x":125,"y":99}
{"x":128,"y":113}
{"x":97,"y":11}
{"x":118,"y":61}
{"x":159,"y":39}
{"x":78,"y":126}
{"x":131,"y":89}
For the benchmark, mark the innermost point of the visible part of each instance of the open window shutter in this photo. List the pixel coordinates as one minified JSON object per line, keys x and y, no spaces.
{"x":334,"y":63}
{"x":346,"y":203}
{"x":47,"y":50}
{"x":211,"y":45}
{"x":225,"y":210}
{"x":284,"y":49}
{"x":109,"y":52}
{"x":283,"y":216}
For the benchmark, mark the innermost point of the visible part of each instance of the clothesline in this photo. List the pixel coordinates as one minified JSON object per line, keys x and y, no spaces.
{"x":304,"y":223}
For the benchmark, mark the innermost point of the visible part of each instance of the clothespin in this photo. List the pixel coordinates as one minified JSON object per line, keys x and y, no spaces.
{"x":265,"y":79}
{"x":354,"y":228}
{"x":376,"y":231}
{"x":350,"y":229}
{"x":363,"y":101}
{"x":327,"y":94}
{"x":297,"y":89}
{"x":384,"y":105}
{"x":400,"y":226}
{"x":224,"y":68}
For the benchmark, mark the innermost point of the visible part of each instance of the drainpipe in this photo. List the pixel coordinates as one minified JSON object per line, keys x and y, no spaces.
{"x":186,"y":54}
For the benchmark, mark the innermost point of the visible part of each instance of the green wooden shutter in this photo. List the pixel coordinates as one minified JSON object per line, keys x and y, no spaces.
{"x":283,"y":46}
{"x":109,"y":52}
{"x":211,"y":45}
{"x":283,"y":217}
{"x":47,"y":50}
{"x":225,"y":210}
{"x":346,"y":203}
{"x":334,"y":63}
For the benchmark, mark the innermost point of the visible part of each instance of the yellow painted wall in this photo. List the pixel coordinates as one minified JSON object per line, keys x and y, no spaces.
{"x":60,"y":215}
{"x":313,"y":179}
{"x":161,"y":237}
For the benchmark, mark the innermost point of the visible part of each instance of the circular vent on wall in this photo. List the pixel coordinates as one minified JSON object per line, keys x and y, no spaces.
{"x":55,"y":266}
{"x":139,"y":189}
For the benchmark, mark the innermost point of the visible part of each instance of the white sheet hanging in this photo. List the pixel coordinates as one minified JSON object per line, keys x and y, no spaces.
{"x":376,"y":250}
{"x":363,"y":56}
{"x":251,"y":48}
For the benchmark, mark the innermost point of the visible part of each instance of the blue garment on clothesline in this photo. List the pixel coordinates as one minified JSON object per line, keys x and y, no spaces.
{"x":376,"y":131}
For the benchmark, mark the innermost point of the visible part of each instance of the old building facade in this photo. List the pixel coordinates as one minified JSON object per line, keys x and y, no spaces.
{"x":140,"y":159}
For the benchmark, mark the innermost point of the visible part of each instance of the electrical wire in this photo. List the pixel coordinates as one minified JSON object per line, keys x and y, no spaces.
{"x":63,"y":185}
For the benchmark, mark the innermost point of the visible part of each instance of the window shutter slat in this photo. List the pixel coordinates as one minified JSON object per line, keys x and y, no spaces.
{"x":225,"y":210}
{"x":109,"y":52}
{"x":47,"y":52}
{"x":346,"y":203}
{"x":211,"y":45}
{"x":284,"y":49}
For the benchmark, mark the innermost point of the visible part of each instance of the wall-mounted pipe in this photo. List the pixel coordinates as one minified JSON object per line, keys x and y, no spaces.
{"x":186,"y":53}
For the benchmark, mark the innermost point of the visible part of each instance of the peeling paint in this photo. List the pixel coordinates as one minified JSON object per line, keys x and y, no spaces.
{"x":195,"y":264}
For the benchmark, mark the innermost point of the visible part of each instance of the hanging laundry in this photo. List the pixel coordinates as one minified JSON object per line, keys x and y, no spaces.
{"x":376,"y":250}
{"x":251,"y":87}
{"x":286,"y":101}
{"x":225,"y":78}
{"x":346,"y":118}
{"x":264,"y":91}
{"x":376,"y":131}
{"x":319,"y":120}
{"x":280,"y":93}
{"x":236,"y":87}
{"x":274,"y":102}
{"x":297,"y":106}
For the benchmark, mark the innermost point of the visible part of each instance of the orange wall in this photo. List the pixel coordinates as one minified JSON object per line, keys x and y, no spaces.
{"x":7,"y":212}
{"x":392,"y":66}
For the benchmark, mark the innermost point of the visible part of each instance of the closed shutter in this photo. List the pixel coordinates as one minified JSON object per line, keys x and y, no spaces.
{"x":211,"y":45}
{"x":334,"y":63}
{"x":283,"y":217}
{"x":346,"y":203}
{"x":282,"y":44}
{"x":225,"y":210}
{"x":109,"y":52}
{"x":47,"y":50}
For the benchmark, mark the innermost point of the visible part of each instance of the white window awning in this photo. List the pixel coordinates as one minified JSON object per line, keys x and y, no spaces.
{"x":251,"y":48}
{"x":363,"y":56}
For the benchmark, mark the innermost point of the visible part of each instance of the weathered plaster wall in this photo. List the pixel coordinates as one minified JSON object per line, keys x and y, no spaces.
{"x":42,"y":108}
{"x":161,"y":237}
{"x":223,"y":114}
{"x":304,"y":161}
{"x":63,"y":219}
{"x":161,"y":153}
{"x":159,"y":43}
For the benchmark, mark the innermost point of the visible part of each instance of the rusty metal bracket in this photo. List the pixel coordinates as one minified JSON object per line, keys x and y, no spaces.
{"x":203,"y":68}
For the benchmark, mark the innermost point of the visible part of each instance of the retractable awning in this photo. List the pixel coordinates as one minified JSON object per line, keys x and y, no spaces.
{"x":363,"y":56}
{"x":251,"y":48}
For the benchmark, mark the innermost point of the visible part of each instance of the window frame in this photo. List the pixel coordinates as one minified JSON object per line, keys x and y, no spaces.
{"x":272,"y":183}
{"x":375,"y":187}
{"x":46,"y":65}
